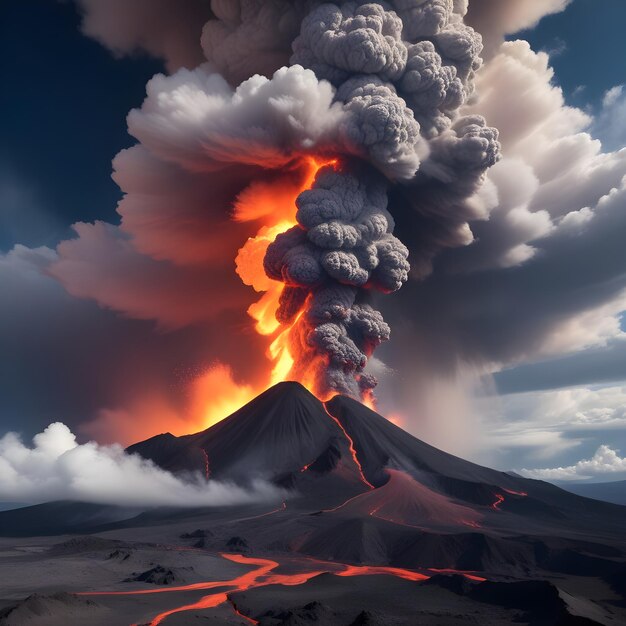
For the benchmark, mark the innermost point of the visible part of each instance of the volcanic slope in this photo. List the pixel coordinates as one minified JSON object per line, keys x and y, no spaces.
{"x":358,"y":489}
{"x":341,"y":457}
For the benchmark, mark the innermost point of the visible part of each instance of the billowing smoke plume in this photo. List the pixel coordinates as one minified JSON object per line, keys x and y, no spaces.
{"x":372,"y":92}
{"x":401,"y":78}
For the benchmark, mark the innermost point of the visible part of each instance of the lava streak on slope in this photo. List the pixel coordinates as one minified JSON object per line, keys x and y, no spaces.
{"x":522,"y":494}
{"x":500,"y":498}
{"x":373,"y":570}
{"x":351,"y":447}
{"x":498,"y":501}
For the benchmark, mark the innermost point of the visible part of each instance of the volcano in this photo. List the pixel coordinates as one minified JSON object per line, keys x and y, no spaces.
{"x":343,"y":458}
{"x":362,"y":498}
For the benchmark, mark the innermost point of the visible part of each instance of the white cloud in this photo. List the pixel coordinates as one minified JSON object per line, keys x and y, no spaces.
{"x":604,"y":461}
{"x":610,"y":124}
{"x":534,"y":428}
{"x":58,"y":468}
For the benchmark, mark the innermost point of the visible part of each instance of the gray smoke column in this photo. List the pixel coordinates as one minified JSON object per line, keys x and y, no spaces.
{"x":379,"y":89}
{"x":402,"y":70}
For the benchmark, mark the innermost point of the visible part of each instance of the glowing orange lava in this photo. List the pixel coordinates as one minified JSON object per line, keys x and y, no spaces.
{"x":238,"y":613}
{"x":372,"y":570}
{"x":470,"y":523}
{"x":351,"y":447}
{"x":470,"y":575}
{"x":274,"y":204}
{"x":261,"y":576}
{"x":499,"y":500}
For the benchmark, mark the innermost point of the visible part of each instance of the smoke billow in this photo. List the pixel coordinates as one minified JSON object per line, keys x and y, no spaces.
{"x":58,"y":468}
{"x":372,"y":92}
{"x":401,"y":78}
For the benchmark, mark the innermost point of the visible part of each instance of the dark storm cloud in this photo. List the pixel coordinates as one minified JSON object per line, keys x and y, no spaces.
{"x":555,"y":303}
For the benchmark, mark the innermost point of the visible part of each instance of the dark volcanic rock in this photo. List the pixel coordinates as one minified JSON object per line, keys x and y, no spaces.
{"x":60,"y":518}
{"x":66,"y":608}
{"x":365,"y":491}
{"x":197,"y":534}
{"x":540,"y":601}
{"x":311,"y":613}
{"x":89,"y":543}
{"x":237,"y":544}
{"x":370,"y":618}
{"x":456,"y":583}
{"x":158,"y":575}
{"x":276,"y":433}
{"x":119,"y":555}
{"x":203,"y":538}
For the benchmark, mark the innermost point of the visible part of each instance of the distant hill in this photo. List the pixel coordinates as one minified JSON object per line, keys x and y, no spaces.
{"x":614,"y":492}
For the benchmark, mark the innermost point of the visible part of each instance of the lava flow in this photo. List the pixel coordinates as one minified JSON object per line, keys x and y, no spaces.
{"x":500,"y":498}
{"x":262,"y":576}
{"x":498,"y":501}
{"x":522,"y":494}
{"x":351,"y":447}
{"x":275,"y":206}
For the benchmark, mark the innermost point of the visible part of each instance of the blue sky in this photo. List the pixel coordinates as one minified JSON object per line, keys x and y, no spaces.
{"x":64,"y":120}
{"x":587,"y":46}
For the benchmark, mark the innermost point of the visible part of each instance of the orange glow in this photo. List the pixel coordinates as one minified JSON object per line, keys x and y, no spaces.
{"x":276,"y":200}
{"x":274,"y":204}
{"x":471,"y":575}
{"x":396,"y":419}
{"x":262,"y":576}
{"x":370,"y":570}
{"x":238,"y":613}
{"x":352,"y":449}
{"x":215,"y":395}
{"x":498,"y":501}
{"x":369,"y":400}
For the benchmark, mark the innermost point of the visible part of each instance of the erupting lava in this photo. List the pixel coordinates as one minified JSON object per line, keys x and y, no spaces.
{"x":275,"y":205}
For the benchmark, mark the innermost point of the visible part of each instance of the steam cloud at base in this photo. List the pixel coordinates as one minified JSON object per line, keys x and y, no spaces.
{"x":58,"y":468}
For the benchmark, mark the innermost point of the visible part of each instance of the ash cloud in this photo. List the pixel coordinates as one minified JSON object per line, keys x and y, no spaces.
{"x":55,"y":467}
{"x":390,"y":112}
{"x":499,"y":255}
{"x":360,"y":49}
